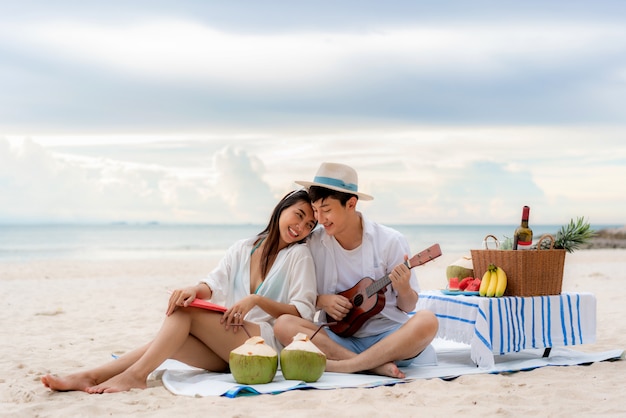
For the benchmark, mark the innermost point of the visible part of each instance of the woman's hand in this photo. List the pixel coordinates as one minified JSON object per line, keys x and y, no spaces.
{"x":236,"y":313}
{"x":181,"y":297}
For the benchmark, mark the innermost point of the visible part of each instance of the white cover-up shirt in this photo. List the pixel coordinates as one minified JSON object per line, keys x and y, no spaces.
{"x":381,"y":249}
{"x":291,"y":280}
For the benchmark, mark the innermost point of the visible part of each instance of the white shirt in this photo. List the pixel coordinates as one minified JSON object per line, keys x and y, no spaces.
{"x":381,"y":249}
{"x":291,"y":280}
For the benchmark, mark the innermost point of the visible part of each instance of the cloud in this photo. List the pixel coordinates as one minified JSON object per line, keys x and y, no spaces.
{"x":200,"y":112}
{"x":183,"y":49}
{"x":38,"y":185}
{"x":428,"y":175}
{"x":239,"y":183}
{"x":181,"y":73}
{"x":478,"y":175}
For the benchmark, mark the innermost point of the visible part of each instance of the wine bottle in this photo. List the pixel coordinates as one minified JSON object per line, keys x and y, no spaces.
{"x":523,"y":237}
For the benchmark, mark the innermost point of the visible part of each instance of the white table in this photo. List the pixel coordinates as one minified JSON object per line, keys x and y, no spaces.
{"x":509,"y":324}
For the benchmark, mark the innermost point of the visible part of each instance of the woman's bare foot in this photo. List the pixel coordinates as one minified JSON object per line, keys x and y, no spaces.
{"x":123,"y":382}
{"x":77,"y":381}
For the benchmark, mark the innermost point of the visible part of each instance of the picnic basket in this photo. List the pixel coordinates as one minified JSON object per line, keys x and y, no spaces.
{"x":529,"y":272}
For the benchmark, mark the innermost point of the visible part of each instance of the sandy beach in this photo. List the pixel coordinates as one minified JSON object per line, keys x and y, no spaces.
{"x":59,"y":316}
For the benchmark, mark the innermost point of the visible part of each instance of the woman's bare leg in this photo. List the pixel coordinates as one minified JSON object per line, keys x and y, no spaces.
{"x":193,"y":352}
{"x":88,"y":378}
{"x":170,"y":343}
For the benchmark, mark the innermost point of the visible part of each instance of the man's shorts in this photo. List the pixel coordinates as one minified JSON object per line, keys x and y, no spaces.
{"x":358,"y":345}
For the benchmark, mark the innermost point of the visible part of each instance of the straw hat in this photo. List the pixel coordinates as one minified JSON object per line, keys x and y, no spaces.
{"x":339,"y":177}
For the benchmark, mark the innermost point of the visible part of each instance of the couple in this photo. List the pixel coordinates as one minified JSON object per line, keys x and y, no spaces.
{"x":273,"y":287}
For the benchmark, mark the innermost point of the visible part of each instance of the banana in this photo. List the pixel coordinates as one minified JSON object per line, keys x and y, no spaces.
{"x":484,"y":283}
{"x":502,"y":281}
{"x":493,"y":281}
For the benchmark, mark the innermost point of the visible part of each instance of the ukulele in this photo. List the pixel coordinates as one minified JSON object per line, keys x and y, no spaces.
{"x":368,"y":295}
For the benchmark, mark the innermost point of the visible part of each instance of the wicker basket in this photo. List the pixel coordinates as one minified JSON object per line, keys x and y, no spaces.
{"x":529,"y":272}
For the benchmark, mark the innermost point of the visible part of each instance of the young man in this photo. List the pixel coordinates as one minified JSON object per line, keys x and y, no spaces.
{"x":347,"y":249}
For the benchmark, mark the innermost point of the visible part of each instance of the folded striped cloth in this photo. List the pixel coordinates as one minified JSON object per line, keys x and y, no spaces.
{"x":510,"y":324}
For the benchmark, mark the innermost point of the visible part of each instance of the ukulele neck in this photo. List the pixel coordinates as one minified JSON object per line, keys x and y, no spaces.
{"x":425,"y":256}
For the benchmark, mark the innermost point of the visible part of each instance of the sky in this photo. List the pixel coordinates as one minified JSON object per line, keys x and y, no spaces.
{"x":452,"y":112}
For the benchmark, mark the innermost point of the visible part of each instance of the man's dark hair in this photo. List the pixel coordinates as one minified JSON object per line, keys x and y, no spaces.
{"x":318,"y":192}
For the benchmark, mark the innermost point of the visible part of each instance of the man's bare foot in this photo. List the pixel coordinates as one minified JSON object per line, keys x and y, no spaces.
{"x":121,"y":383}
{"x":77,"y":381}
{"x":389,"y":369}
{"x":344,"y":366}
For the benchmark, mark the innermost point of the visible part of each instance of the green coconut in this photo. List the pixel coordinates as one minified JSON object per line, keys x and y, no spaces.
{"x":253,"y":362}
{"x":302,"y":360}
{"x":461,"y":268}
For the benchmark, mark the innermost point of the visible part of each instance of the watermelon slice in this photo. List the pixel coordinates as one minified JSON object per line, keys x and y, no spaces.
{"x":473,"y":286}
{"x":453,"y":283}
{"x":465,"y":282}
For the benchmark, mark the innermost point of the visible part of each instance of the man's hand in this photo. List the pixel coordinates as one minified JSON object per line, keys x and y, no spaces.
{"x":336,"y":306}
{"x":401,"y":281}
{"x":401,"y":277}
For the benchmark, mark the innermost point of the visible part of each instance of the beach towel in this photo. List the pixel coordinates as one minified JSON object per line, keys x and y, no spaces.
{"x":453,"y":360}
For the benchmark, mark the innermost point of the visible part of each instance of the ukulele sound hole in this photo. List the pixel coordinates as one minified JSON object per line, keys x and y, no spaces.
{"x":358,"y":300}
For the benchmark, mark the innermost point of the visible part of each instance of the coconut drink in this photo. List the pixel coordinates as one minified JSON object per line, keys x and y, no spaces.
{"x":253,"y":362}
{"x":302,"y":360}
{"x":461,"y":268}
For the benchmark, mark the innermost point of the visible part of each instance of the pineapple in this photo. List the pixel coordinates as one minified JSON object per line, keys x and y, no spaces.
{"x":571,"y":236}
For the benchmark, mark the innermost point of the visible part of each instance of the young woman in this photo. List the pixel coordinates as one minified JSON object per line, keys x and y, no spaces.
{"x":259,"y":279}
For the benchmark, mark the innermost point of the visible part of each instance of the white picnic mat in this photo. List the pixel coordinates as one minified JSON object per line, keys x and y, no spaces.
{"x":453,"y":360}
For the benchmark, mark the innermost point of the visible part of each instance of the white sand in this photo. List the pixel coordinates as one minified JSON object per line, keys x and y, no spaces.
{"x":59,"y":316}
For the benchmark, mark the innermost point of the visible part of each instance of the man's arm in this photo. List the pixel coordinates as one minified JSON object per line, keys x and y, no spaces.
{"x":401,"y":281}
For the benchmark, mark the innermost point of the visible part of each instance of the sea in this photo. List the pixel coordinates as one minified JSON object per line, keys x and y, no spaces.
{"x":155,"y":240}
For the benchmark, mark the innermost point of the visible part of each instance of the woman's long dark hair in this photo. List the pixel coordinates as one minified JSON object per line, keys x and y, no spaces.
{"x":271,"y":233}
